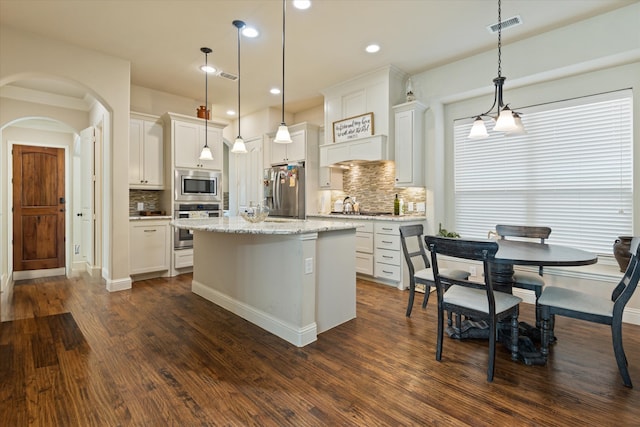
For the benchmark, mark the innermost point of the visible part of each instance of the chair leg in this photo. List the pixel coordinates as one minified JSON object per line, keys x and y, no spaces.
{"x":538,"y":292}
{"x":427,"y":291}
{"x":440,"y":331}
{"x":546,"y":330}
{"x":412,"y":293}
{"x":621,"y":358}
{"x":492,"y":349}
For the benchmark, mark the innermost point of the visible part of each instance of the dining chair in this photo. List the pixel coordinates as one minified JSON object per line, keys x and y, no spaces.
{"x":583,"y":306}
{"x":473,"y":299}
{"x":411,"y":239}
{"x":523,"y":280}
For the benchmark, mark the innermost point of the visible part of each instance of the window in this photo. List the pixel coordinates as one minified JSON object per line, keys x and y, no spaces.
{"x":572,"y":171}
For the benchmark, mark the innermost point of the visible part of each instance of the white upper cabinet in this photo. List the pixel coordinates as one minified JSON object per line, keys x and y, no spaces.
{"x":187,"y":137}
{"x":146,"y":159}
{"x":409,"y":144}
{"x":289,"y":153}
{"x":250,"y":174}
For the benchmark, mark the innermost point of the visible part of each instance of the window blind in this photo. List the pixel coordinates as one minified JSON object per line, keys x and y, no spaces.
{"x":571,"y":171}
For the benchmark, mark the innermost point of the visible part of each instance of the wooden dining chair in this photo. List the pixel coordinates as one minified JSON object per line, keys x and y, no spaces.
{"x":607,"y":311}
{"x":523,"y":280}
{"x":413,"y":248}
{"x":476,"y":300}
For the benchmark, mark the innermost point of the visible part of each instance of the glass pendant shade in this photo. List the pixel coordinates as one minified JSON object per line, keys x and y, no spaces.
{"x":205,"y":154}
{"x":238,"y":146}
{"x":519,"y":130}
{"x":505,"y":122}
{"x":283,"y":136}
{"x":478,"y":130}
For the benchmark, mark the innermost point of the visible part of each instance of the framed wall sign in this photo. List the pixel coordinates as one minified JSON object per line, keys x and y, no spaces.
{"x":353,"y":128}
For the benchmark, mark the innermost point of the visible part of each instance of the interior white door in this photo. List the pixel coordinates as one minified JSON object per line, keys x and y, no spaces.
{"x":87,"y":181}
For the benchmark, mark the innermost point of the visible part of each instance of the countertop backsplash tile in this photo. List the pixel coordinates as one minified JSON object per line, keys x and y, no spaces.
{"x":373,"y":185}
{"x":150,"y":198}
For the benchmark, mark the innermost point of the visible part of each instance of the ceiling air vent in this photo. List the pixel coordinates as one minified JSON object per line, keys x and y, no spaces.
{"x":507,"y":23}
{"x":227,"y":76}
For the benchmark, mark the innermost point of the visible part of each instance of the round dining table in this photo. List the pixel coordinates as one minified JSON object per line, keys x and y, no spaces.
{"x":515,"y":252}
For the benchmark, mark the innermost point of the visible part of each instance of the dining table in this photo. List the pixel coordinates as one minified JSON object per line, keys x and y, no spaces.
{"x":516,"y":252}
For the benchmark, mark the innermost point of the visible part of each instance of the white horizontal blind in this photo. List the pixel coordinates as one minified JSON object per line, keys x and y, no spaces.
{"x":572,"y":171}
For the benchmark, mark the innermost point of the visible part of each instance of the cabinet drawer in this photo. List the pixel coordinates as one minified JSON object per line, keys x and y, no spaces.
{"x":388,"y":256}
{"x":364,"y":226}
{"x":386,"y":271}
{"x":387,"y":227}
{"x":388,"y":241}
{"x":183,"y":258}
{"x":364,"y":242}
{"x":364,"y":263}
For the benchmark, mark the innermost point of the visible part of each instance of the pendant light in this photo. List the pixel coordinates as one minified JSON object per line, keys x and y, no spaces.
{"x":238,"y":145}
{"x":283,"y":136}
{"x":205,"y":154}
{"x":506,"y":120}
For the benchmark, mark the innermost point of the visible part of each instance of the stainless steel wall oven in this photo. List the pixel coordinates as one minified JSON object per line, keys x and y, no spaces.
{"x":183,"y":239}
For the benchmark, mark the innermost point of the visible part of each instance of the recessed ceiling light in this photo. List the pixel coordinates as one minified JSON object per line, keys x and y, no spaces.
{"x":302,"y":4}
{"x":250,"y":32}
{"x":231,"y":112}
{"x":275,"y":91}
{"x":208,"y":69}
{"x":372,"y":48}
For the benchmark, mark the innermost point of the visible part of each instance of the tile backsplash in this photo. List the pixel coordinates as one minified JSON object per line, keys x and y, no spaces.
{"x":150,"y":198}
{"x":373,"y":185}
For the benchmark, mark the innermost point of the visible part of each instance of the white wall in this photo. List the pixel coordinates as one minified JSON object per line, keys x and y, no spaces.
{"x":108,"y":80}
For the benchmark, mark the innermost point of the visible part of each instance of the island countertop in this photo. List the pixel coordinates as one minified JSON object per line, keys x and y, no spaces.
{"x":238,"y":225}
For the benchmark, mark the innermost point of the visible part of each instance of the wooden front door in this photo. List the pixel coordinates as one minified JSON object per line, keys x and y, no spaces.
{"x":38,"y":208}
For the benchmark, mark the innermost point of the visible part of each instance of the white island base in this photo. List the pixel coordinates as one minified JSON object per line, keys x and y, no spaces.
{"x":292,"y":285}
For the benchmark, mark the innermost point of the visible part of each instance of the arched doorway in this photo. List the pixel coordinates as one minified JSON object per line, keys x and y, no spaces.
{"x":55,"y":119}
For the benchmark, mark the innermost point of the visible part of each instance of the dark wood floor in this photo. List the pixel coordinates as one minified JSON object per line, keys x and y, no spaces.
{"x":73,"y":354}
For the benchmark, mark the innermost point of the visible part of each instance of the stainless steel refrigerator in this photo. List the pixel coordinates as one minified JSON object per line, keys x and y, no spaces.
{"x":284,"y":191}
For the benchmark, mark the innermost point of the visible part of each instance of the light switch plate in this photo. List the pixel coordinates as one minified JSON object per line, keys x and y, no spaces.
{"x":140,"y":206}
{"x":308,"y":265}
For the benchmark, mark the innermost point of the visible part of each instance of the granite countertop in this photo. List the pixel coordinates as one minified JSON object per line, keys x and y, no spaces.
{"x":238,"y":225}
{"x":149,"y":217}
{"x":396,"y":218}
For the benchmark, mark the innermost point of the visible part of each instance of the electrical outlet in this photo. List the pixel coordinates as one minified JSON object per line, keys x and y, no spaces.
{"x":308,"y":265}
{"x":472,"y":270}
{"x":140,"y":206}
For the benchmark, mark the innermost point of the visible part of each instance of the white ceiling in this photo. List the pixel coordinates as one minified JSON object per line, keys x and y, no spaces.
{"x":324,"y":44}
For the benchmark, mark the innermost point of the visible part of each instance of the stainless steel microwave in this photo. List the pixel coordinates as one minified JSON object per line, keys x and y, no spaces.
{"x":198,"y":186}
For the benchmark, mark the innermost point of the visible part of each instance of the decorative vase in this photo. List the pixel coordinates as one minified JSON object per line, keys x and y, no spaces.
{"x":203,"y":112}
{"x":622,"y":251}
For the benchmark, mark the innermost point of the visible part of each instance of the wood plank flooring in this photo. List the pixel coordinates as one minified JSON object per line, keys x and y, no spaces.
{"x":73,"y":354}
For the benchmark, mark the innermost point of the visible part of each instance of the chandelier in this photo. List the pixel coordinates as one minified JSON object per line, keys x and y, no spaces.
{"x":506,"y":120}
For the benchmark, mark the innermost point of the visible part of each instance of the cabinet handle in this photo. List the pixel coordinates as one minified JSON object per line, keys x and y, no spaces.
{"x":150,"y":231}
{"x":387,"y":242}
{"x":387,"y":229}
{"x":387,"y":272}
{"x":387,"y":256}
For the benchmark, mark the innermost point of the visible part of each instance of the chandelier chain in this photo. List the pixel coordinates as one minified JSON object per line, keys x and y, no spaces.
{"x":499,"y":39}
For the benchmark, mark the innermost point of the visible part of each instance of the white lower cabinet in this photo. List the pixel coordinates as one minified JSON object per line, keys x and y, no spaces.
{"x":388,"y":259}
{"x":364,"y":248}
{"x":149,"y":245}
{"x":379,"y":250}
{"x":183,"y":258}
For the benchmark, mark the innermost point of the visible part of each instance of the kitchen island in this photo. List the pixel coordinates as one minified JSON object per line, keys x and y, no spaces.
{"x":293,"y":278}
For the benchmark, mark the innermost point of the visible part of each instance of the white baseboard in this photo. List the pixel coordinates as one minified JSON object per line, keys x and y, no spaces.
{"x":36,"y":274}
{"x":118,"y":285}
{"x":296,"y":336}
